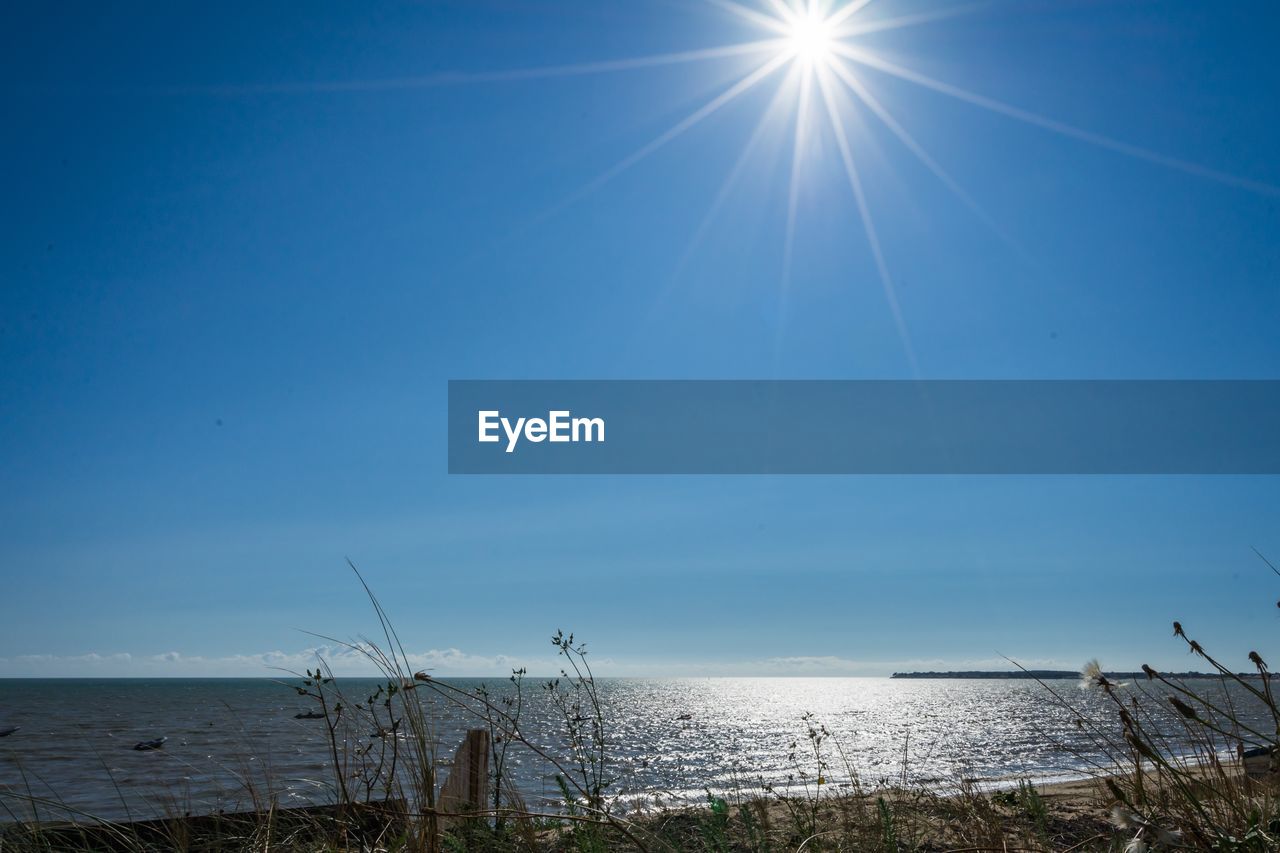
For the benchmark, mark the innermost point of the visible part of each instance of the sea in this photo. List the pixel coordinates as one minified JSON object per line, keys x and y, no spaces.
{"x":233,"y":744}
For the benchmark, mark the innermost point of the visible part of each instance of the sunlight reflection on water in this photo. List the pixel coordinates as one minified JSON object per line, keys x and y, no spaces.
{"x":668,"y":737}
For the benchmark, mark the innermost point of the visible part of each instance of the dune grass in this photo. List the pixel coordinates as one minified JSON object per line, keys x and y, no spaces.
{"x":1171,"y":779}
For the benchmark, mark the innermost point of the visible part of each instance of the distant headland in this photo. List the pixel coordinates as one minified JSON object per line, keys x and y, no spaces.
{"x":1048,"y":674}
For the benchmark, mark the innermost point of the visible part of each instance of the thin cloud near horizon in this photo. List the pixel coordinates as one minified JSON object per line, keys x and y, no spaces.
{"x":452,"y":662}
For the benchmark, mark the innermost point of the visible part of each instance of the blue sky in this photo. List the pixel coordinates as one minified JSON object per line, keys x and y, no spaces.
{"x":243,"y":254}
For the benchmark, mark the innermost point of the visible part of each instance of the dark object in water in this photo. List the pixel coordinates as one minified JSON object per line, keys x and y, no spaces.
{"x":685,"y":717}
{"x":8,"y":730}
{"x":145,"y":745}
{"x":309,"y":715}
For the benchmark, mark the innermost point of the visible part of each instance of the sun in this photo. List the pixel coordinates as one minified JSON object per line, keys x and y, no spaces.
{"x":822,"y":61}
{"x":810,"y":37}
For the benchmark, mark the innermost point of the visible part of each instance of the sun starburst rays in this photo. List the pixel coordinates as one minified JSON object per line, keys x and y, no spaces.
{"x":812,"y":38}
{"x":864,"y":213}
{"x":824,"y":46}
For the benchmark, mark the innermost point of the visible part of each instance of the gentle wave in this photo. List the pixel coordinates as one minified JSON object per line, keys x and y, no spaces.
{"x":669,"y":739}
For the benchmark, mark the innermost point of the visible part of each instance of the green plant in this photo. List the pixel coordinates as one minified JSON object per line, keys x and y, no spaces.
{"x":1033,"y":805}
{"x":503,"y":732}
{"x":888,"y":827}
{"x":1175,"y":749}
{"x":577,"y":700}
{"x":715,"y":825}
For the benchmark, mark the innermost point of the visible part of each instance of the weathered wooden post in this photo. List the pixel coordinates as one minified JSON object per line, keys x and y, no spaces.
{"x":467,"y":787}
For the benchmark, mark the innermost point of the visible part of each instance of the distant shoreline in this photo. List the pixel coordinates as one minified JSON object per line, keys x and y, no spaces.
{"x":1060,"y":674}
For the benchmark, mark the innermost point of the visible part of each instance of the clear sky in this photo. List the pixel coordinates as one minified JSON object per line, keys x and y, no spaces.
{"x":244,"y":250}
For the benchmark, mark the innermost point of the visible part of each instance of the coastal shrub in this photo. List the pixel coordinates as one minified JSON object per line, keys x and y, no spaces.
{"x":1172,"y":779}
{"x":1191,"y":765}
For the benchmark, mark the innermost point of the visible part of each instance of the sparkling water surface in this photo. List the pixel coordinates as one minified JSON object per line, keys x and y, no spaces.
{"x":668,"y":738}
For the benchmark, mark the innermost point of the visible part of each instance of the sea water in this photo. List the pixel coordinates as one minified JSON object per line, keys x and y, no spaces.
{"x":666,"y":739}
